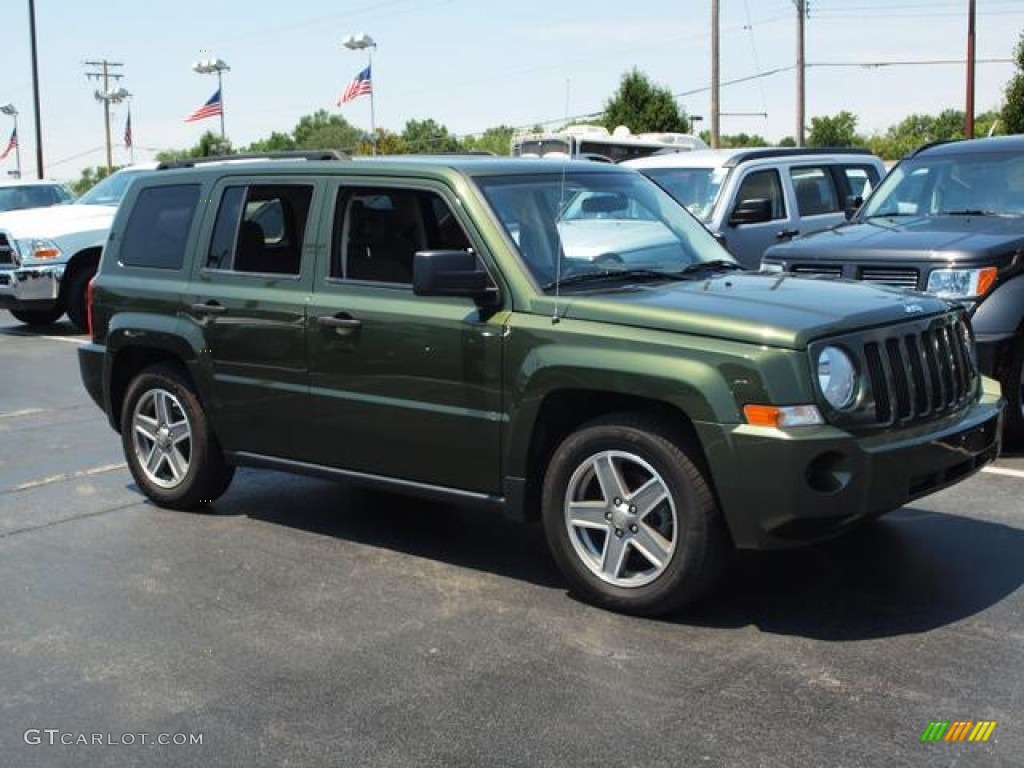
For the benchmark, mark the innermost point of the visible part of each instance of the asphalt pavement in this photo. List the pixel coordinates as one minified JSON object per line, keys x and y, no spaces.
{"x":307,"y":623}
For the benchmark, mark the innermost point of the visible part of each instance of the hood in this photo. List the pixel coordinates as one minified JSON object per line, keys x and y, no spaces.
{"x":774,"y":309}
{"x":934,"y":238}
{"x":58,"y":220}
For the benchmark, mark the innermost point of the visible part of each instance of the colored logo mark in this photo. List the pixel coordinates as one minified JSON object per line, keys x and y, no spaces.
{"x":958,"y":730}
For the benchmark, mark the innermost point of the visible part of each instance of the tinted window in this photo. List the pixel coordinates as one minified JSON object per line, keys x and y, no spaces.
{"x":157,"y":228}
{"x":764,"y":185}
{"x":260,"y":228}
{"x":377,"y":231}
{"x":861,"y":179}
{"x":815,"y":191}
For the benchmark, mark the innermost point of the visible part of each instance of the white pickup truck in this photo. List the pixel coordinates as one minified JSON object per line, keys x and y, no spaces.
{"x":49,"y":255}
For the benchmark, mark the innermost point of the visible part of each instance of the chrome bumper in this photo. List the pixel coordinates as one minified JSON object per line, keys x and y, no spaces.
{"x":30,"y":285}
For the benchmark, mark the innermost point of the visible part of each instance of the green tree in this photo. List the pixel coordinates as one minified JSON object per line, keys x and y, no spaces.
{"x":426,"y":136}
{"x":643,"y":107}
{"x":210,"y":145}
{"x":497,"y":140}
{"x":276,"y":142}
{"x":89,"y":178}
{"x":787,"y":141}
{"x":322,"y":130}
{"x":1013,"y":108}
{"x":837,"y":131}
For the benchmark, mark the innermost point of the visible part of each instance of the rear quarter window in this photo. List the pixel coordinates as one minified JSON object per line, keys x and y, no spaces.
{"x":156,"y":233}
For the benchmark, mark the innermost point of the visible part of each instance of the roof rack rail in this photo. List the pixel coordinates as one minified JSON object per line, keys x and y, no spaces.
{"x":758,"y":153}
{"x":300,"y":154}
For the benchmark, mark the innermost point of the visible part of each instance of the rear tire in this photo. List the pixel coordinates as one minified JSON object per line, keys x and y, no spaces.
{"x":38,"y":316}
{"x":630,"y":518}
{"x":171,"y":449}
{"x":76,"y":295}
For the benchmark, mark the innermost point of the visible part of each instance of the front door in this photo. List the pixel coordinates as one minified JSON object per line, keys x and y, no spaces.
{"x":402,"y":386}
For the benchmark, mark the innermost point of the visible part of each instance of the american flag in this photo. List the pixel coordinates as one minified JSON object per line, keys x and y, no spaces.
{"x":11,"y":144}
{"x":128,"y":130}
{"x":212,"y":107}
{"x":358,"y":87}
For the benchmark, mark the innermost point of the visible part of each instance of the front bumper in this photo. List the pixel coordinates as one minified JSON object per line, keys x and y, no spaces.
{"x":780,"y":488}
{"x":30,"y":287}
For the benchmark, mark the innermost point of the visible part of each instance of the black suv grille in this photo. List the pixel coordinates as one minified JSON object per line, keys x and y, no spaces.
{"x":815,"y":270}
{"x":6,"y":251}
{"x":914,"y":371}
{"x":898,"y":276}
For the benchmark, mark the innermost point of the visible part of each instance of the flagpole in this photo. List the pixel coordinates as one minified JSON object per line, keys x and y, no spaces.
{"x":17,"y":145}
{"x":373,"y":87}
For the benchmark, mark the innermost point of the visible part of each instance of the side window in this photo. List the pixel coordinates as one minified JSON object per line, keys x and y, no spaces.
{"x":260,"y":228}
{"x":764,"y":185}
{"x":861,"y":179}
{"x":815,"y":191}
{"x":377,"y":231}
{"x":157,"y":229}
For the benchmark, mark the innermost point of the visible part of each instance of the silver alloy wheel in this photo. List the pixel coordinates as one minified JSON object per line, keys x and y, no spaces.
{"x":162,"y":438}
{"x":621,"y":518}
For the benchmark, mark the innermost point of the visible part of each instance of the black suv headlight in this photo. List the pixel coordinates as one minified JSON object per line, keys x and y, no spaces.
{"x":837,"y":377}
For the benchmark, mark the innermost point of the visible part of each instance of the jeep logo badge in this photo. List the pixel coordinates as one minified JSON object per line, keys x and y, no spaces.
{"x":912,"y":309}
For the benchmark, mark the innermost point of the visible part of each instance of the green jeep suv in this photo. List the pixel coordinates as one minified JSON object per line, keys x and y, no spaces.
{"x":553,"y":341}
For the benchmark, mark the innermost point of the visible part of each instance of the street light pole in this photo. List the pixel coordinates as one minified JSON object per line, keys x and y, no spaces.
{"x":218,"y":66}
{"x":8,"y":109}
{"x":35,"y":88}
{"x":363,"y":42}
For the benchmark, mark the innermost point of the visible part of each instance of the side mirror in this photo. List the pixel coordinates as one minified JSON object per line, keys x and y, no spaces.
{"x":852,"y":205}
{"x":452,"y":273}
{"x":752,"y":211}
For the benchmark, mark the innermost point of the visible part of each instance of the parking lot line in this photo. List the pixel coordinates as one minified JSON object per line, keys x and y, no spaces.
{"x":22,"y":412}
{"x":68,"y":339}
{"x":1004,"y":471}
{"x":66,"y":476}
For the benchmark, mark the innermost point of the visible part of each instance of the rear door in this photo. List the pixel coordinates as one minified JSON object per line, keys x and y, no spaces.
{"x":403,"y":386}
{"x":248,"y":304}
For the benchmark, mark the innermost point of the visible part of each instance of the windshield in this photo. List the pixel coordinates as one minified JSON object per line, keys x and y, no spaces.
{"x":553,"y":147}
{"x":109,"y":191}
{"x":968,"y":182}
{"x":696,"y":188}
{"x":568,"y":223}
{"x":16,"y":198}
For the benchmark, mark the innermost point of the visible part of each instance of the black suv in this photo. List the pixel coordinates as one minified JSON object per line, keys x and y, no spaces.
{"x":948,"y":220}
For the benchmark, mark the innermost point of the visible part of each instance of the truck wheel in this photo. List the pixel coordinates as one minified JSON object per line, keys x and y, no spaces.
{"x":1013,"y":390}
{"x":630,"y":518}
{"x":76,"y":296}
{"x":38,"y":316}
{"x":171,"y":450}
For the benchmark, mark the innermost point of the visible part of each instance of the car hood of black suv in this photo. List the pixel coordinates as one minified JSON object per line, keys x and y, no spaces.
{"x":940,"y":238}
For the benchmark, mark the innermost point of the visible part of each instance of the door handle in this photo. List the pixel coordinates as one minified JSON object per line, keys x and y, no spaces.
{"x":341,"y":320}
{"x":787,"y":234}
{"x":211,"y":308}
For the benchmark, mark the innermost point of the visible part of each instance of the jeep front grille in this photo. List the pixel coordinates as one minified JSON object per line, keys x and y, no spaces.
{"x":897,"y":276}
{"x":921,"y":373}
{"x":6,"y":251}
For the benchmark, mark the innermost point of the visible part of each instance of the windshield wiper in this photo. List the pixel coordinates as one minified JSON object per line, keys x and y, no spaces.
{"x":713,"y":264}
{"x":611,"y":274}
{"x":890,"y":215}
{"x":967,"y":212}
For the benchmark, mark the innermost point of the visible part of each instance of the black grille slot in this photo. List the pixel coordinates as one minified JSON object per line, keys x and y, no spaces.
{"x":814,"y":270}
{"x":901,"y":277}
{"x":6,"y":251}
{"x":920,"y":374}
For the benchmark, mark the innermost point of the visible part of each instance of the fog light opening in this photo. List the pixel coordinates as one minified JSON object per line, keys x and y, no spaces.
{"x":828,"y":473}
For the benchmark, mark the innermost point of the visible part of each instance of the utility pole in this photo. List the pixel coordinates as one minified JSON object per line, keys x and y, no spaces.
{"x":801,"y":13}
{"x":102,"y":71}
{"x":715,"y":77}
{"x":35,"y":88}
{"x":969,"y":108}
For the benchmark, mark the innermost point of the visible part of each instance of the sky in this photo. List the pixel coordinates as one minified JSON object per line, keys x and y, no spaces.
{"x":471,"y":65}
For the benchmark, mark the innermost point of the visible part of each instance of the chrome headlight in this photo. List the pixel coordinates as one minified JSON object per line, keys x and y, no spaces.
{"x":960,"y":283}
{"x":36,"y":249}
{"x":837,"y":377}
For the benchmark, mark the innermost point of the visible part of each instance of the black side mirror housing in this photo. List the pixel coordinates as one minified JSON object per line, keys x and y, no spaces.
{"x":755,"y":210}
{"x":852,"y":205}
{"x":452,"y":273}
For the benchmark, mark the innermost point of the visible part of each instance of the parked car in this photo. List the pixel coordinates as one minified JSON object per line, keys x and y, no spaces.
{"x":48,"y":255}
{"x":19,"y":194}
{"x":754,"y":198}
{"x":415,"y":324}
{"x":949,"y":221}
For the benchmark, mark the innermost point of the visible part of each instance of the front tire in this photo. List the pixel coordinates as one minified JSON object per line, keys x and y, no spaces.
{"x":38,"y":316}
{"x":1012,"y":384}
{"x":171,"y":450}
{"x":630,"y":518}
{"x":76,"y":296}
